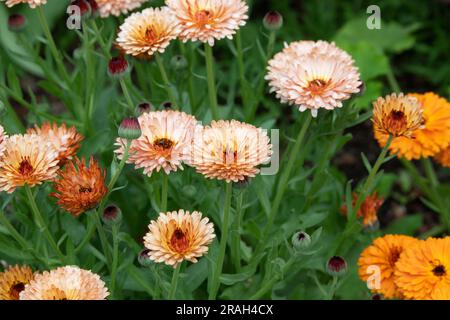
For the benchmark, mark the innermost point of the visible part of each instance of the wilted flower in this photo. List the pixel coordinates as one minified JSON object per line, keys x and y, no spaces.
{"x":230,"y":150}
{"x":148,"y":32}
{"x":206,"y":20}
{"x":27,"y":159}
{"x":65,"y":283}
{"x":80,"y":188}
{"x":117,"y":7}
{"x":32,"y":3}
{"x":13,"y":281}
{"x":178,"y":236}
{"x":368,"y":209}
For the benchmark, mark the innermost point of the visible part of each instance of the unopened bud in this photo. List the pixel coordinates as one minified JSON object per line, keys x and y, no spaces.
{"x":273,"y":21}
{"x":118,"y":66}
{"x":144,"y":258}
{"x":144,"y":107}
{"x":178,"y":62}
{"x":130,"y":129}
{"x":336,"y":266}
{"x":83,"y":5}
{"x":167,"y":105}
{"x":301,"y":240}
{"x":16,"y":22}
{"x":112,"y":215}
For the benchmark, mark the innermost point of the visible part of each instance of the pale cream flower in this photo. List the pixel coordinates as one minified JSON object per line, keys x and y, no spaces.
{"x":148,"y":32}
{"x":3,"y":138}
{"x":117,"y":7}
{"x":32,"y":3}
{"x":65,"y":283}
{"x":313,"y":75}
{"x":207,"y":20}
{"x":230,"y":150}
{"x":178,"y":236}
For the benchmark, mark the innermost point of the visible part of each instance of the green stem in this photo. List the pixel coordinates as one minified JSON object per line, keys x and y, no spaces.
{"x":126,"y":93}
{"x":167,"y":83}
{"x":223,"y":243}
{"x":102,"y":43}
{"x":392,"y":80}
{"x":103,"y":238}
{"x":188,"y":54}
{"x":333,"y":288}
{"x":211,"y":82}
{"x":41,"y":223}
{"x":164,"y":191}
{"x":115,"y":259}
{"x":236,"y":240}
{"x":174,"y":284}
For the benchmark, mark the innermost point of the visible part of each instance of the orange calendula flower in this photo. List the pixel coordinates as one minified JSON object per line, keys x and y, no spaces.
{"x":80,"y":188}
{"x":313,"y":75}
{"x":148,"y":32}
{"x":165,"y":141}
{"x":31,"y":3}
{"x":27,"y":159}
{"x":13,"y":281}
{"x":368,"y":209}
{"x":3,"y":137}
{"x":178,"y":236}
{"x":65,"y":283}
{"x":206,"y":20}
{"x":431,"y":138}
{"x":397,"y":115}
{"x":117,"y":7}
{"x":65,"y":140}
{"x":423,"y":270}
{"x":230,"y":150}
{"x":381,"y":258}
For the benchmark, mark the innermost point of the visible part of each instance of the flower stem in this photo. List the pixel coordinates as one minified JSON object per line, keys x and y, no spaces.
{"x":164,"y":191}
{"x":223,"y":242}
{"x":211,"y":81}
{"x":167,"y":84}
{"x":115,"y":259}
{"x":174,"y":284}
{"x":41,"y":223}
{"x":126,"y":93}
{"x":236,"y":240}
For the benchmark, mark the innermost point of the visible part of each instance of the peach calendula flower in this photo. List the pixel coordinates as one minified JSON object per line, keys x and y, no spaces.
{"x":165,"y":141}
{"x":423,"y":270}
{"x":148,"y":32}
{"x":429,"y":139}
{"x":65,"y":283}
{"x":397,"y":115}
{"x":230,"y":150}
{"x":13,"y":281}
{"x":3,"y":137}
{"x":207,"y":20}
{"x":117,"y":7}
{"x":79,"y":187}
{"x":443,"y":157}
{"x":65,"y":140}
{"x":313,"y":75}
{"x":27,"y":159}
{"x":177,"y":236}
{"x":368,"y":209}
{"x":382,"y":256}
{"x":32,"y":3}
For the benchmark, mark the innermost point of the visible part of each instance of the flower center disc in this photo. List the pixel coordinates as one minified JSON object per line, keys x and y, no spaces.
{"x":396,"y":121}
{"x":439,"y":271}
{"x":163,"y":143}
{"x":16,"y":289}
{"x":317,"y":86}
{"x":178,"y":241}
{"x":203,"y":16}
{"x":25,"y":168}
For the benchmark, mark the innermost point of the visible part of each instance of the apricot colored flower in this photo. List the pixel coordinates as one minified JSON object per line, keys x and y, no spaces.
{"x":165,"y":142}
{"x":177,"y":236}
{"x":32,"y":3}
{"x":397,"y":115}
{"x":79,"y":187}
{"x":230,"y":150}
{"x":423,"y":270}
{"x":65,"y":283}
{"x":429,"y":139}
{"x":117,"y":7}
{"x":382,"y":256}
{"x":443,"y":157}
{"x":27,"y":159}
{"x":3,"y":137}
{"x":13,"y":281}
{"x":65,"y":140}
{"x":368,"y":209}
{"x":148,"y":32}
{"x":313,"y":75}
{"x":207,"y":20}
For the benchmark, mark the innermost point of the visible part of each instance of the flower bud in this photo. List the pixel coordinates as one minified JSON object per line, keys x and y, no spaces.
{"x":377,"y":296}
{"x":336,"y":266}
{"x":83,"y":5}
{"x":273,"y":21}
{"x":167,"y":105}
{"x":117,"y":67}
{"x":242,"y":184}
{"x":112,"y":215}
{"x":16,"y":22}
{"x":178,"y":62}
{"x":144,"y":107}
{"x":301,"y":240}
{"x":144,"y":258}
{"x":94,"y":7}
{"x":130,"y":129}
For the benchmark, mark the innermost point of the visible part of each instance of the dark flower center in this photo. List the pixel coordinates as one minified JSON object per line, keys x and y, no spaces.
{"x":317,"y":86}
{"x":439,"y":271}
{"x":85,"y":190}
{"x":16,"y":289}
{"x":163,"y":143}
{"x":178,"y":241}
{"x":396,"y":122}
{"x":25,"y":167}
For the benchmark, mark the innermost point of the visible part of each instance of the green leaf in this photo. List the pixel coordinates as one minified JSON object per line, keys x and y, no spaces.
{"x":405,"y":225}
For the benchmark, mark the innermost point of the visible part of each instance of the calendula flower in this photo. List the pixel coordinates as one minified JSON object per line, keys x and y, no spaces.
{"x":443,"y":157}
{"x":177,"y":236}
{"x":165,"y":141}
{"x":397,"y":115}
{"x":313,"y":75}
{"x":66,"y":140}
{"x":207,"y":20}
{"x":230,"y":150}
{"x":32,"y":3}
{"x":80,"y":188}
{"x":13,"y":281}
{"x":430,"y":138}
{"x":3,"y":137}
{"x":368,"y":209}
{"x":117,"y":7}
{"x":423,"y":270}
{"x":27,"y":159}
{"x":65,"y":283}
{"x":148,"y":32}
{"x":382,"y":256}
